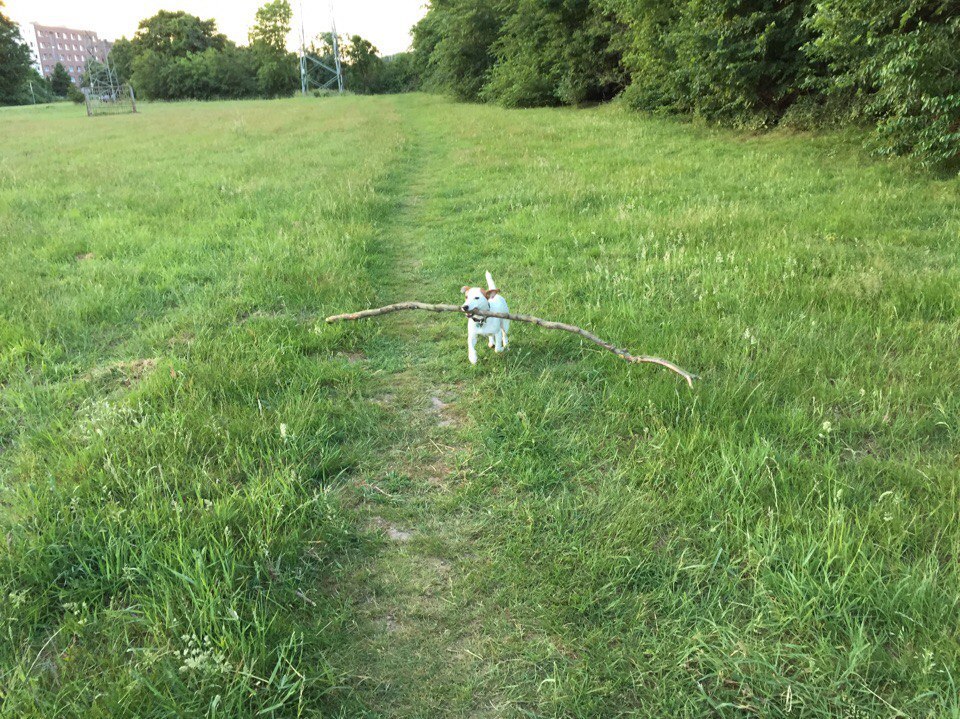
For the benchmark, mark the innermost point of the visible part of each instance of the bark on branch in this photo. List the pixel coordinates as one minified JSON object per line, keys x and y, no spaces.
{"x":637,"y":359}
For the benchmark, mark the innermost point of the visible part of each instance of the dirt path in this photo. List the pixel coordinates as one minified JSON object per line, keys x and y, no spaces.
{"x":416,"y":650}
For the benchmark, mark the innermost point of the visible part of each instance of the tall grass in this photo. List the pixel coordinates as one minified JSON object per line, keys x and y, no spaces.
{"x":176,"y":428}
{"x":172,"y":425}
{"x":782,"y":540}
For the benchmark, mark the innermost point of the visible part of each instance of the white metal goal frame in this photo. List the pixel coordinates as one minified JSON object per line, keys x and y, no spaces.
{"x":115,"y":100}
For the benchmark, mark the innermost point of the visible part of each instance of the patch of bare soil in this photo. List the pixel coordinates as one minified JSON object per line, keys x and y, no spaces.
{"x":394,"y":533}
{"x":352,"y":357}
{"x":446,"y":411}
{"x":128,"y":372}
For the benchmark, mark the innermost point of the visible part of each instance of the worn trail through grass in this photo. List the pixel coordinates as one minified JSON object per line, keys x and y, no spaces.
{"x":414,"y":650}
{"x":217,"y":505}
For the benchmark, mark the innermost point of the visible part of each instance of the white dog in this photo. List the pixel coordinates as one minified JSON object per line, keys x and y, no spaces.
{"x":489,"y":300}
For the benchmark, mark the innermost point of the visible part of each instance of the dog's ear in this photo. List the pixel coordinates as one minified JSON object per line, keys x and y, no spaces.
{"x":490,"y":294}
{"x":464,"y":289}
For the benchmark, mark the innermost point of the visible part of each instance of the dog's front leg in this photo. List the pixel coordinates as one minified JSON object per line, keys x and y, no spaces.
{"x":498,"y":340}
{"x":472,"y":341}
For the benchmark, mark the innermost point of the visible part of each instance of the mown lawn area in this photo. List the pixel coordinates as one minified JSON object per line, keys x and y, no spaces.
{"x":216,"y":505}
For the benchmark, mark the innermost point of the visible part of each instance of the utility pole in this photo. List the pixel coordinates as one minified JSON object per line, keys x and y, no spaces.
{"x":303,"y":54}
{"x":114,"y":87}
{"x":308,"y":61}
{"x":336,"y":51}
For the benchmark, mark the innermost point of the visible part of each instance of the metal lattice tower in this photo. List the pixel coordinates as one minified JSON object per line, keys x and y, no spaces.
{"x":308,"y":62}
{"x":106,"y":95}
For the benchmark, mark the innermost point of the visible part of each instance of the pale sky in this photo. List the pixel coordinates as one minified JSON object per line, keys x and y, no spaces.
{"x":385,"y":23}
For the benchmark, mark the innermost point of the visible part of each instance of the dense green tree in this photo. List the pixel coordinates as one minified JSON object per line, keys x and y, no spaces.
{"x":176,"y":34}
{"x":121,"y":58}
{"x":744,"y":60}
{"x":277,"y":70}
{"x":277,"y":77}
{"x":897,"y":62}
{"x":192,"y":60}
{"x":400,"y":73}
{"x":158,"y":46}
{"x":455,"y":43}
{"x":555,"y":51}
{"x":60,"y":80}
{"x":272,"y":25}
{"x":75,"y":95}
{"x":735,"y":60}
{"x":232,"y":71}
{"x":152,"y":75}
{"x":364,"y":67}
{"x":14,"y":63}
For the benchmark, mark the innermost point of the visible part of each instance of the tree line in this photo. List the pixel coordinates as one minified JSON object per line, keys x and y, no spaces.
{"x":893,"y":65}
{"x":175,"y":56}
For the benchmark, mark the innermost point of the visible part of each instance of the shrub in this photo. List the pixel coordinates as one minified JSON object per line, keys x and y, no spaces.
{"x":455,"y":44}
{"x":400,"y":73}
{"x":899,"y":63}
{"x":725,"y":61}
{"x":553,"y":53}
{"x":75,"y":95}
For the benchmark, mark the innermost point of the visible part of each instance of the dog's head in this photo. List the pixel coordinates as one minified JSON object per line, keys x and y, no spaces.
{"x":475,"y":298}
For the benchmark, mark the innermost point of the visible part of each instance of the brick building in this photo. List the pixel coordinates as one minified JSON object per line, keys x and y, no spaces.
{"x":70,"y":47}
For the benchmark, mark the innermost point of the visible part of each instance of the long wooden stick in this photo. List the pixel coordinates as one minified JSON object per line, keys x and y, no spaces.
{"x":688,"y":376}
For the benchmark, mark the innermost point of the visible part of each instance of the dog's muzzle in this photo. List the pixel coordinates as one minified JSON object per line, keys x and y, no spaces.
{"x":477,"y":320}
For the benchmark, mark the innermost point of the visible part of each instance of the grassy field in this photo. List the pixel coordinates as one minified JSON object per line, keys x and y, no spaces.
{"x":216,"y":505}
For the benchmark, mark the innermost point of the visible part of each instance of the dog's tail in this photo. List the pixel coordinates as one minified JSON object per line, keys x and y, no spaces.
{"x":490,"y":283}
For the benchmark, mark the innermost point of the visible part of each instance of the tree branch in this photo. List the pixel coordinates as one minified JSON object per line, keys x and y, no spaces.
{"x":636,"y":359}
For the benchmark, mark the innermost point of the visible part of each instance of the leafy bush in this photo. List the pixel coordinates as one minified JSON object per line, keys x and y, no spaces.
{"x":400,"y":73}
{"x":455,"y":44}
{"x":60,"y":81}
{"x":892,"y":63}
{"x":724,"y":61}
{"x":898,"y":62}
{"x":74,"y":95}
{"x":554,"y":52}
